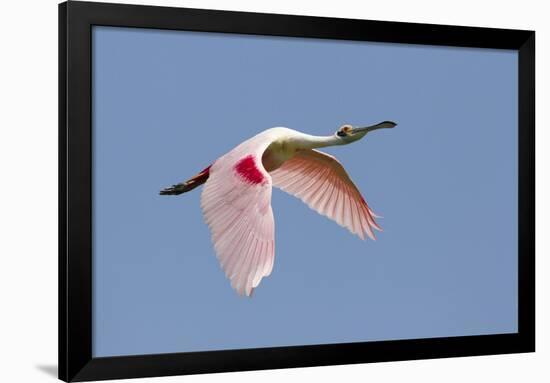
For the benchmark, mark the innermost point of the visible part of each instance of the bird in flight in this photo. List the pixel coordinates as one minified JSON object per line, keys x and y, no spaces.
{"x":236,"y":198}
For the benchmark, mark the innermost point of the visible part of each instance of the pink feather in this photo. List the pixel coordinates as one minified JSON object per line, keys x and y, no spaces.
{"x":236,"y":204}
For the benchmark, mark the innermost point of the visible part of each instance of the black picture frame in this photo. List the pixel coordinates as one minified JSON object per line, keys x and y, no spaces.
{"x":75,"y":191}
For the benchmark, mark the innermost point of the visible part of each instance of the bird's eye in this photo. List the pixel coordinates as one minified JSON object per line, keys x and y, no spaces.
{"x":344,"y":131}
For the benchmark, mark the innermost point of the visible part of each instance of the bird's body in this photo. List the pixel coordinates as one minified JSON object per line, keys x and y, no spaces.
{"x":236,"y":199}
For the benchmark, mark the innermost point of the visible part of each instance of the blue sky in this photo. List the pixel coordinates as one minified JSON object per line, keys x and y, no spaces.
{"x":168,"y":103}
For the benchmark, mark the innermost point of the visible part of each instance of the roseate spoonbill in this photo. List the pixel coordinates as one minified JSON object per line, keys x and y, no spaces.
{"x":236,"y":199}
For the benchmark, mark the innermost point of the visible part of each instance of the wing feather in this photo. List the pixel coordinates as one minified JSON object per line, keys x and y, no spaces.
{"x":322,"y":183}
{"x":326,"y":198}
{"x":236,"y":204}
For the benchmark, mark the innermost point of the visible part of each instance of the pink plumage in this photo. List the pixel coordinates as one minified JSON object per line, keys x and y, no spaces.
{"x":320,"y":181}
{"x":249,"y":170}
{"x":236,"y":203}
{"x":236,"y":199}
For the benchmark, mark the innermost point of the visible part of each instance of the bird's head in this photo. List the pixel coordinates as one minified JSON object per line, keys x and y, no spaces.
{"x":348,"y":133}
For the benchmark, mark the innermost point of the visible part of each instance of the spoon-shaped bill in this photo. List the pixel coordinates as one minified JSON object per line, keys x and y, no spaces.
{"x":381,"y":125}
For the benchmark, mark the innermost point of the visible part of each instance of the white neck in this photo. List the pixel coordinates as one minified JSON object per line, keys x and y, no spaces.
{"x":306,"y":141}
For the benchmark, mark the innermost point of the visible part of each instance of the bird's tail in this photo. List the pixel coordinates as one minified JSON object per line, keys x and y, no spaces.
{"x":188,"y":185}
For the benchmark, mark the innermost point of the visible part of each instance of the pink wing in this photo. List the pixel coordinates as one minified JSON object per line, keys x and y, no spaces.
{"x":236,"y":203}
{"x":321,"y":182}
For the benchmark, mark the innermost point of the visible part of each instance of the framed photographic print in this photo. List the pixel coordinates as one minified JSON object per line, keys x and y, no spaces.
{"x":247,"y":191}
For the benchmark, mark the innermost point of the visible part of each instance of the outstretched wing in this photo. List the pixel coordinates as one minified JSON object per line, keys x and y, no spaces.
{"x":320,"y":181}
{"x":236,"y":203}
